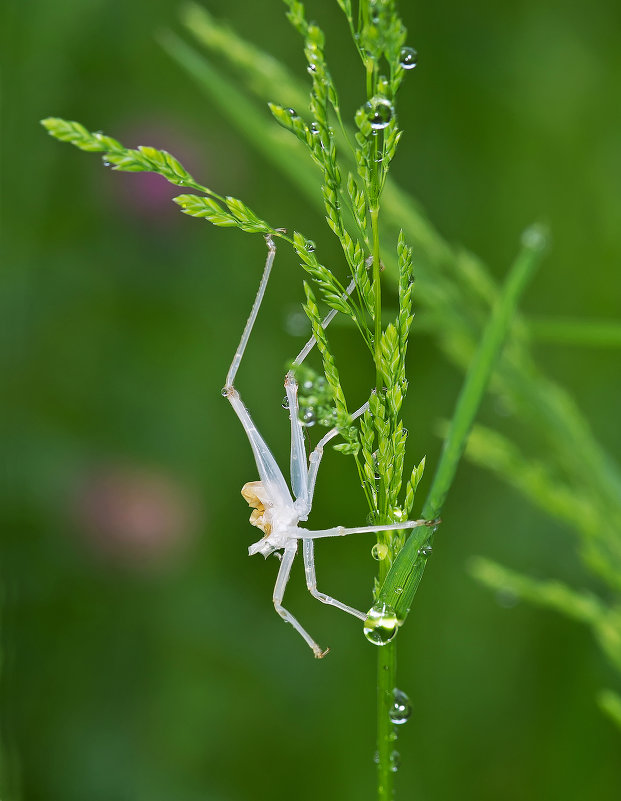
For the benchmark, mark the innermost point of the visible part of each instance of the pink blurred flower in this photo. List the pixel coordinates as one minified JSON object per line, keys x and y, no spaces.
{"x":136,"y":516}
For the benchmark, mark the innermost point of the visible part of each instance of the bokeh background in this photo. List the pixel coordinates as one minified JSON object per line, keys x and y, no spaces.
{"x":141,"y":656}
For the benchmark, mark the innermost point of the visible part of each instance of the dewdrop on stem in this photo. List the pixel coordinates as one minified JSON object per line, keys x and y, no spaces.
{"x":381,"y":624}
{"x":401,"y":708}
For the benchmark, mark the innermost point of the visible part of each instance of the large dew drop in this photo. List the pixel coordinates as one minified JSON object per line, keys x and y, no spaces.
{"x":309,"y":418}
{"x":381,"y":624}
{"x":408,"y":58}
{"x":379,"y":111}
{"x":379,"y":551}
{"x":401,"y":708}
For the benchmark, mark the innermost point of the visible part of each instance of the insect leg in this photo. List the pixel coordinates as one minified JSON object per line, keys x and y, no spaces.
{"x":316,"y":455}
{"x":269,"y":472}
{"x":341,"y":531}
{"x":299,"y":468}
{"x":271,"y":252}
{"x":279,"y":591}
{"x":311,"y":582}
{"x":324,"y":324}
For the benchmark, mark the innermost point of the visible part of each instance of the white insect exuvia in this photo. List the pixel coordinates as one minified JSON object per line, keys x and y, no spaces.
{"x":275,"y":511}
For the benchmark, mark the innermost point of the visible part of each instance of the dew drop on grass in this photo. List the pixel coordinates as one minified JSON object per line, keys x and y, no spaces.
{"x":381,"y":624}
{"x":425,"y":551}
{"x":310,"y":246}
{"x":408,"y":58}
{"x":379,"y":552}
{"x":308,"y":418}
{"x":401,"y":707}
{"x":379,"y":111}
{"x":293,"y":114}
{"x":285,"y":402}
{"x":395,"y":761}
{"x":534,"y":237}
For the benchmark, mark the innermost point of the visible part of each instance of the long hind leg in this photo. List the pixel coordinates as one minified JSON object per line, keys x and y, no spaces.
{"x":279,"y":591}
{"x":311,"y":582}
{"x":269,"y":472}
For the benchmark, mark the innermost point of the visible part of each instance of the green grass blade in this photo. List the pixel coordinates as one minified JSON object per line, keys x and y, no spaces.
{"x":550,"y":594}
{"x":402,"y":580}
{"x":584,"y":333}
{"x":273,"y":142}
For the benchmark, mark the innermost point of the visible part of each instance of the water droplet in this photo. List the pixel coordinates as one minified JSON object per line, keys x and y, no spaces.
{"x":106,"y":163}
{"x":379,"y":111}
{"x":285,"y":402}
{"x":408,"y":58}
{"x":308,"y":418}
{"x":379,"y":552}
{"x":535,"y":237}
{"x":224,"y":392}
{"x":395,"y":761}
{"x":314,"y":128}
{"x":404,"y":433}
{"x":310,"y":246}
{"x":293,"y":113}
{"x":307,"y":385}
{"x":425,"y":551}
{"x":372,"y":517}
{"x":296,"y":323}
{"x":381,"y":624}
{"x":401,"y":707}
{"x":397,"y":514}
{"x":311,"y":69}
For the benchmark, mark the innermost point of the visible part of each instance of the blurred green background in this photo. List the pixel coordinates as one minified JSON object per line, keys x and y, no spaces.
{"x":141,"y":656}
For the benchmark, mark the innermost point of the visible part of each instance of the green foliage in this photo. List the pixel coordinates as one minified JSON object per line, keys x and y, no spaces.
{"x":225,"y":212}
{"x":238,"y":215}
{"x":603,"y":618}
{"x":144,"y":159}
{"x":459,"y":294}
